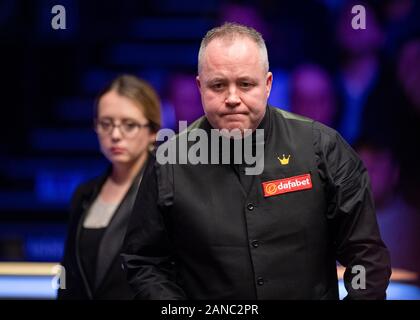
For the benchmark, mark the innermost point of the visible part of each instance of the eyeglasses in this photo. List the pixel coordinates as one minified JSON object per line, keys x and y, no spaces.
{"x":128,"y":128}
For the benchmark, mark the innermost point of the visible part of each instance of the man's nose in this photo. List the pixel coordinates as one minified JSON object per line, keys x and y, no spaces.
{"x":232,"y":99}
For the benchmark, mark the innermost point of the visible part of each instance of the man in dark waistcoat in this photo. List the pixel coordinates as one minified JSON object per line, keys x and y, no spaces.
{"x":276,"y":231}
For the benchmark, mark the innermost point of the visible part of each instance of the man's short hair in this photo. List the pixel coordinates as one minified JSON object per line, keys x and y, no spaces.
{"x":232,"y":31}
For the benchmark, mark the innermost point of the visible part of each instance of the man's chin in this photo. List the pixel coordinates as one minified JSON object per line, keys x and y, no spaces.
{"x":231,"y":126}
{"x":234,"y":125}
{"x":235,"y":130}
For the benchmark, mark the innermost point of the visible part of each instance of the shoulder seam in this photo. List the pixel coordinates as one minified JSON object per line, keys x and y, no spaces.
{"x":292,"y":116}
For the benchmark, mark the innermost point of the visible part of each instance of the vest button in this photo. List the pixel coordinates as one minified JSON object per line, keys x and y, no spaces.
{"x":250,"y":206}
{"x":255,"y":243}
{"x":260,"y":281}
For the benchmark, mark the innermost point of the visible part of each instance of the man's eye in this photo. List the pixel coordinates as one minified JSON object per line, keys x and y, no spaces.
{"x":246,"y":85}
{"x":217,"y":86}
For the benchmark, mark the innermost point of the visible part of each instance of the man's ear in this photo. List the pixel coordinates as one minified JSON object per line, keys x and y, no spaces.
{"x":268,"y":83}
{"x":197,"y":79}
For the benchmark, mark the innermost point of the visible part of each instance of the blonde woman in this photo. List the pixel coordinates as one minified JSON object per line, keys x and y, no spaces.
{"x":127,"y":118}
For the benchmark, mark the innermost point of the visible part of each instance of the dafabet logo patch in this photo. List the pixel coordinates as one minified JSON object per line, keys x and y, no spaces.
{"x":296,"y":183}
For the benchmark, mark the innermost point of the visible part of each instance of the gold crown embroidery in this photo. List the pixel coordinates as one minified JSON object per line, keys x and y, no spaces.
{"x":284,"y":161}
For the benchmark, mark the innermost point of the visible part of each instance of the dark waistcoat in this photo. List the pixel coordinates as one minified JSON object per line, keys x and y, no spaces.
{"x":234,"y":243}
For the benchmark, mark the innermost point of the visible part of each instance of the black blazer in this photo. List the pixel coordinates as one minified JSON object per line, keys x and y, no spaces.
{"x":110,"y":281}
